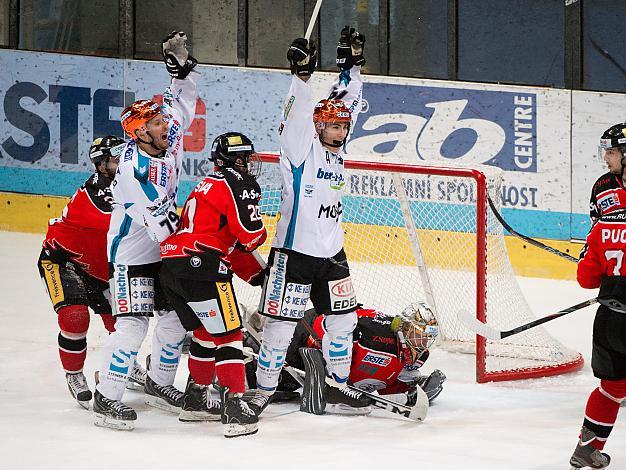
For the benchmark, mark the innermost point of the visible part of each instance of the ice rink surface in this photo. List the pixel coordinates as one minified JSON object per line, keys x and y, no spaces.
{"x":530,"y":424}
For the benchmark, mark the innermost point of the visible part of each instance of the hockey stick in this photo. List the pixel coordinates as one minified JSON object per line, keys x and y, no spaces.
{"x":314,"y":16}
{"x":532,"y":241}
{"x":418,"y":412}
{"x":482,"y":329}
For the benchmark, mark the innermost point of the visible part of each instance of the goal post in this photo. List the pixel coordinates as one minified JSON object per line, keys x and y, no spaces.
{"x":424,"y":232}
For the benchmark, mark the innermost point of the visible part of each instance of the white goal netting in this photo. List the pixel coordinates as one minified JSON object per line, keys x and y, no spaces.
{"x":391,"y":219}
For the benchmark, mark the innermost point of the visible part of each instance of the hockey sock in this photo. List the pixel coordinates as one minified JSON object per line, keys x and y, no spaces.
{"x":229,"y":362}
{"x":167,"y":344}
{"x":74,"y":322}
{"x":119,"y":353}
{"x":202,"y":357}
{"x":602,"y":409}
{"x":276,"y":338}
{"x":109,"y":321}
{"x":337,"y":345}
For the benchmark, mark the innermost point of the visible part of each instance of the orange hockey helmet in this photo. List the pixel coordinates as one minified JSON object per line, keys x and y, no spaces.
{"x":331,"y":110}
{"x":137,"y":115}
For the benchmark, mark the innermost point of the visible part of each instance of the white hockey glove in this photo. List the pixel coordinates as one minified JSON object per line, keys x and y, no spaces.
{"x":177,"y":59}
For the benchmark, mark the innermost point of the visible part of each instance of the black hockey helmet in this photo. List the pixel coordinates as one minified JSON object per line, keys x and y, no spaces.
{"x":232,"y":149}
{"x":104,"y":148}
{"x":614,"y":137}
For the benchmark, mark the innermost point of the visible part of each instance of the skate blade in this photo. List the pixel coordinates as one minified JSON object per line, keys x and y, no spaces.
{"x":84,"y":404}
{"x":197,"y":416}
{"x":161,"y":404}
{"x":136,"y":386}
{"x":236,"y":430}
{"x":112,"y":423}
{"x":341,"y":409}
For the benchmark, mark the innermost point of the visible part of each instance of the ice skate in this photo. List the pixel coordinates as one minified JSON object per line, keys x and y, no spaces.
{"x":163,"y":397}
{"x":197,"y":404}
{"x":137,"y":378}
{"x":587,"y":456}
{"x":79,"y":389}
{"x":113,"y":413}
{"x":342,"y":400}
{"x":257,"y":400}
{"x":237,"y":417}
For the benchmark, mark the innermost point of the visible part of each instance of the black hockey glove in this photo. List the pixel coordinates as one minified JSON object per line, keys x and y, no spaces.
{"x":177,"y":59}
{"x":302,"y":57}
{"x":350,"y":48}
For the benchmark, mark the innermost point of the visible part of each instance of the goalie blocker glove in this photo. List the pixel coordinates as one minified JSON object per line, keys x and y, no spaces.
{"x":177,"y":59}
{"x":350,"y":48}
{"x":302,"y":57}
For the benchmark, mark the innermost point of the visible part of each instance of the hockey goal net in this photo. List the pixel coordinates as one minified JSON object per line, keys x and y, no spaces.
{"x":427,"y":233}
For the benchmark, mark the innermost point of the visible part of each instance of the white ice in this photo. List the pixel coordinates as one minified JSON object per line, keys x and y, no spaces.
{"x":530,"y":424}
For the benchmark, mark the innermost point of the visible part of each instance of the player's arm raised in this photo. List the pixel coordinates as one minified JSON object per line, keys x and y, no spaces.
{"x":179,"y":99}
{"x":348,"y":86}
{"x":297,"y":131}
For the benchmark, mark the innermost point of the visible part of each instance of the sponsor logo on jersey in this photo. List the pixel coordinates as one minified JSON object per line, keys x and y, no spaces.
{"x":377,"y":359}
{"x":343,"y":288}
{"x":172,"y":135}
{"x":608,"y":201}
{"x":288,"y":106}
{"x":337,"y":180}
{"x":383,"y":339}
{"x":276,"y":284}
{"x":368,"y":368}
{"x":121,"y":289}
{"x":53,"y":281}
{"x":331,"y":212}
{"x":128,"y":155}
{"x":250,"y":194}
{"x":342,"y":295}
{"x":195,"y":261}
{"x":308,"y":190}
{"x":227,"y":302}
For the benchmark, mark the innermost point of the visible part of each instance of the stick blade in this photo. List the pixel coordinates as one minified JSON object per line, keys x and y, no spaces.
{"x":470,"y":322}
{"x":420,"y":410}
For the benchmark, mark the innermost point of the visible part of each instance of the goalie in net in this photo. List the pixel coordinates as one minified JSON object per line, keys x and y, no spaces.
{"x":387,"y":355}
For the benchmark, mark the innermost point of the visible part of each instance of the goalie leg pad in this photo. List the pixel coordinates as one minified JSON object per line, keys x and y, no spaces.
{"x":167,"y":344}
{"x":119,"y":354}
{"x":276,"y":338}
{"x":313,"y":393}
{"x":337,"y":345}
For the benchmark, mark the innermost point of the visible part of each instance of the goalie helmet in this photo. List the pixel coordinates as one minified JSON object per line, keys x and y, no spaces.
{"x":135,"y":116}
{"x":105,"y":148}
{"x":417,"y":327}
{"x":234,"y":150}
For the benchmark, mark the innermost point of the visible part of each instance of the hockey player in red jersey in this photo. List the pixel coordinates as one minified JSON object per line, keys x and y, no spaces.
{"x":608,"y":193}
{"x":386,"y":357}
{"x":219,"y":230}
{"x":602,"y":265}
{"x":73,"y":263}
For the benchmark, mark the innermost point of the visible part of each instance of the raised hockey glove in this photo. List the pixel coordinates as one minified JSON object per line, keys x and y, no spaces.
{"x":302,"y":57}
{"x":177,"y":59}
{"x":350,"y":48}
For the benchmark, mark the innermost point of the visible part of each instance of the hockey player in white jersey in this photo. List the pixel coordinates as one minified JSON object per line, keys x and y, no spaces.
{"x":307,"y":259}
{"x":144,"y":214}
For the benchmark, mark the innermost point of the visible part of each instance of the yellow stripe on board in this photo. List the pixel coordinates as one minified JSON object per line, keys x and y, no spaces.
{"x":30,"y":213}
